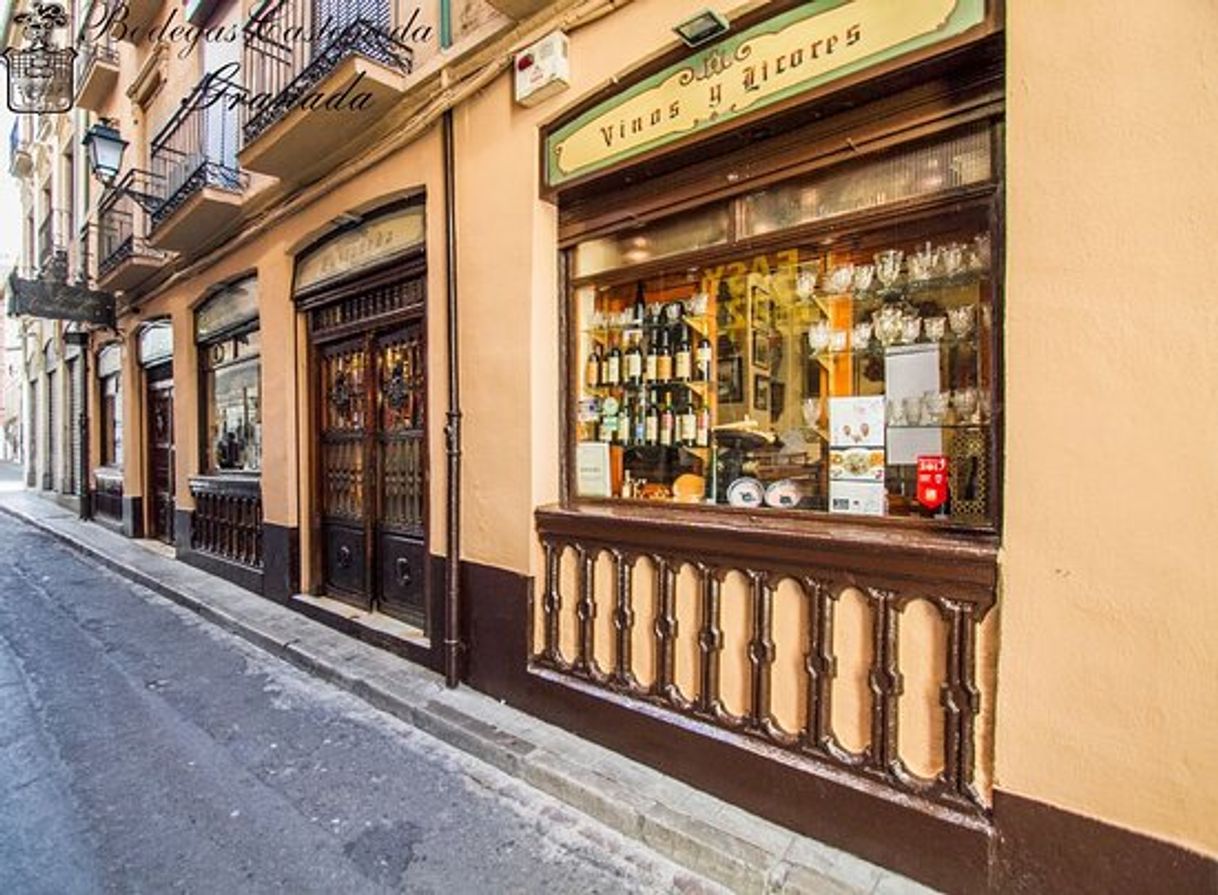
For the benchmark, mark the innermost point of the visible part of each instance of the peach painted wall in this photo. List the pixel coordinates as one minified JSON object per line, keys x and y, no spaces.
{"x":1108,"y":697}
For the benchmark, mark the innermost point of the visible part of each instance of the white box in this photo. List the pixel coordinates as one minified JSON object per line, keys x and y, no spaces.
{"x":542,"y":70}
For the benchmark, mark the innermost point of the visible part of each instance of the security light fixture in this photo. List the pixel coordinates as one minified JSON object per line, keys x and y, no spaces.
{"x":703,"y":27}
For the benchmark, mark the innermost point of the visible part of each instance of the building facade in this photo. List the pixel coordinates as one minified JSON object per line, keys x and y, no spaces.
{"x":711,"y":401}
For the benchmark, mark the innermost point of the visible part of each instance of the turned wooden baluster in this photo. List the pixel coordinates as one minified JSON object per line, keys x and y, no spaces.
{"x":623,"y":621}
{"x":820,"y":665}
{"x":585,"y":611}
{"x":551,"y":603}
{"x":961,"y":699}
{"x":885,"y":681}
{"x":761,"y":650}
{"x":666,"y":630}
{"x":710,"y":642}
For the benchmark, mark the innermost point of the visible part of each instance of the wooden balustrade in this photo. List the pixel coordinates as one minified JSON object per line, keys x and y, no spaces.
{"x":804,"y":642}
{"x":227,"y":521}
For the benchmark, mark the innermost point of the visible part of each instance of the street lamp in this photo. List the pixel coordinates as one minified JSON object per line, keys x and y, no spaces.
{"x":105,"y":146}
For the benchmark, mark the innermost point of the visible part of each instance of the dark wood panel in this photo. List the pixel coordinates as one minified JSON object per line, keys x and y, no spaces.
{"x":346,"y":569}
{"x":402,"y":580}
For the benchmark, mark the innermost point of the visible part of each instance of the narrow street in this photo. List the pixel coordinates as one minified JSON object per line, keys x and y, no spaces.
{"x":142,"y":750}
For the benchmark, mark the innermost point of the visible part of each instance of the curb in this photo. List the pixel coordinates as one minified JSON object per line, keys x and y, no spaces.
{"x":688,"y":827}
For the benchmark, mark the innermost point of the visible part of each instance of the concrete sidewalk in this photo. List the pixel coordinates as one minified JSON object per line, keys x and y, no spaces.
{"x":704,"y":834}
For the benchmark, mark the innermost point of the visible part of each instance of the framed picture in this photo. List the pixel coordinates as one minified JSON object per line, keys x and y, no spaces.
{"x":762,"y":356}
{"x":761,"y":393}
{"x":729,"y":377}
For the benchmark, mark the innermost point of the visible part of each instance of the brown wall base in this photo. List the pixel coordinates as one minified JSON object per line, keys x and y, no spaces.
{"x":1029,"y":847}
{"x":133,"y":516}
{"x":1044,"y":849}
{"x":280,"y":561}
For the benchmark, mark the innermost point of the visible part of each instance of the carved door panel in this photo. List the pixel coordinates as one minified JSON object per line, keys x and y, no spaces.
{"x":343,"y":383}
{"x":161,"y":458}
{"x":401,"y":473}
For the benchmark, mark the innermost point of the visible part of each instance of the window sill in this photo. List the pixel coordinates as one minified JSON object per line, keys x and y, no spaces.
{"x":235,"y":483}
{"x":883,"y":553}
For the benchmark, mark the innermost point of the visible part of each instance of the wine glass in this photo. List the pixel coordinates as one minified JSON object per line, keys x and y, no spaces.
{"x":961,"y":320}
{"x":888,"y":266}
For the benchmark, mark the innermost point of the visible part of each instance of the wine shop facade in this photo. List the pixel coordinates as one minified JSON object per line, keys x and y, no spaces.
{"x":711,"y":407}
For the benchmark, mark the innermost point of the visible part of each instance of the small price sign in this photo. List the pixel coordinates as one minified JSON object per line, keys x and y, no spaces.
{"x":932,"y":480}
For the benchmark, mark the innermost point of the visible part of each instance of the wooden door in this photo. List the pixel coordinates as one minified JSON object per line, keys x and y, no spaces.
{"x":161,"y":457}
{"x":373,"y":471}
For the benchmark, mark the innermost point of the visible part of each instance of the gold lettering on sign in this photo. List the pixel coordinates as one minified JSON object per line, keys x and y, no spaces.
{"x":756,"y":68}
{"x":366,"y":245}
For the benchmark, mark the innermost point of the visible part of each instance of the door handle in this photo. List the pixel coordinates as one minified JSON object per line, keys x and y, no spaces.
{"x":403,"y":571}
{"x":344,"y":557}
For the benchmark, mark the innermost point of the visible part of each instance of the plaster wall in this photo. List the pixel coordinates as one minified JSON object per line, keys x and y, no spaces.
{"x":1106,"y":697}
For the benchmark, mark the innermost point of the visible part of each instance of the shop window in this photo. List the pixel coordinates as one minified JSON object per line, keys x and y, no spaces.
{"x":836,"y":355}
{"x":230,"y":354}
{"x":111,"y":422}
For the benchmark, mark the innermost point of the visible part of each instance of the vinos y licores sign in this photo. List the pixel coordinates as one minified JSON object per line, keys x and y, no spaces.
{"x":805,"y":48}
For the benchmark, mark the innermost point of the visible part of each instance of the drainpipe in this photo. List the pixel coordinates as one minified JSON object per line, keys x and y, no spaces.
{"x":452,"y":431}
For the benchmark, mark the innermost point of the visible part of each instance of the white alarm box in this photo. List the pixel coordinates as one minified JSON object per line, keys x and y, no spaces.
{"x":542,"y":70}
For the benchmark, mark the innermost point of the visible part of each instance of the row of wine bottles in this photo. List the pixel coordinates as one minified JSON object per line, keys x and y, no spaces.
{"x":639,"y":422}
{"x":664,"y":358}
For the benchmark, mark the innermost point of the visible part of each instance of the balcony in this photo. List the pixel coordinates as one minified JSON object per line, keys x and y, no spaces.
{"x":20,"y":163}
{"x":194,"y":167}
{"x":300,"y":93}
{"x":96,"y":72}
{"x":53,"y":239}
{"x":125,"y":259}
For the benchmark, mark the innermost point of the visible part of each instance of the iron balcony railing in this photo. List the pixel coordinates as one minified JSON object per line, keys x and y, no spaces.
{"x":122,"y":223}
{"x":53,"y":238}
{"x":284,"y":69}
{"x":90,"y":50}
{"x":196,"y":149}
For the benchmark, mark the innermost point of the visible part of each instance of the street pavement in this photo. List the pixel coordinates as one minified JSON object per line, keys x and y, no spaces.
{"x":144,"y":750}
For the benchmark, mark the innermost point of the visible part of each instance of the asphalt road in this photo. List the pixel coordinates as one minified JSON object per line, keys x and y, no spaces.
{"x":142,"y":750}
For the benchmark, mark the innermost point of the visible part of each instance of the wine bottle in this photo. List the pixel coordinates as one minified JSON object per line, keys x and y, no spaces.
{"x":652,"y":365}
{"x":687,"y":424}
{"x":702,"y":433}
{"x":667,"y":422}
{"x":651,"y":433}
{"x":634,"y":363}
{"x":664,"y":359}
{"x":639,"y":423}
{"x":704,"y":360}
{"x":681,"y":363}
{"x":613,"y":367}
{"x":640,"y":306}
{"x":592,"y":370}
{"x":623,"y":424}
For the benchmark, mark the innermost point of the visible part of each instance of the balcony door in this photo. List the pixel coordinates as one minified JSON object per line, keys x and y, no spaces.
{"x":373,"y":477}
{"x":221,"y":133}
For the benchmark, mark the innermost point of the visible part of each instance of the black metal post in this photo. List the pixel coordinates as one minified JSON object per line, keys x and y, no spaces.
{"x":452,"y":431}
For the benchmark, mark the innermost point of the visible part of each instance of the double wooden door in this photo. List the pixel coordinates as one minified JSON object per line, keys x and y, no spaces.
{"x":160,"y":455}
{"x":373,"y":469}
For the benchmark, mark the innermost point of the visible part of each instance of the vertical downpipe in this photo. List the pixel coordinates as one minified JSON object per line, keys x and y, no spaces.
{"x":452,"y":430}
